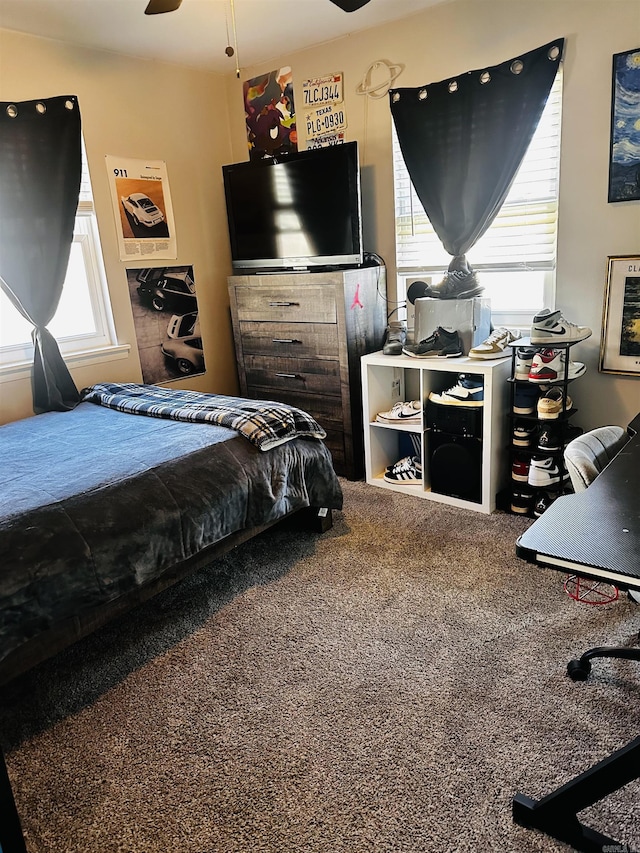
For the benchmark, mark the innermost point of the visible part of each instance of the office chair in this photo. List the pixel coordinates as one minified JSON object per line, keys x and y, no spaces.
{"x":585,"y":457}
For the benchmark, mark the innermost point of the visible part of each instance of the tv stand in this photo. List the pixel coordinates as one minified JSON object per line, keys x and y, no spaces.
{"x":299,"y":338}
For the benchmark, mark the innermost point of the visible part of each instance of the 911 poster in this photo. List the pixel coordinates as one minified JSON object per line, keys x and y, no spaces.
{"x":142,"y":208}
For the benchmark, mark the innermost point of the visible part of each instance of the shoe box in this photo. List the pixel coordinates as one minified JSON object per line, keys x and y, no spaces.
{"x":471,"y":318}
{"x":456,"y":420}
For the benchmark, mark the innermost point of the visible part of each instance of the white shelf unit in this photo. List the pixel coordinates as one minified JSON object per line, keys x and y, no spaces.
{"x":387,"y":379}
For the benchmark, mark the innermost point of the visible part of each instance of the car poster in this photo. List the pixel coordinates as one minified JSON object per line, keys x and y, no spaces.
{"x":165,"y":316}
{"x":142,"y":208}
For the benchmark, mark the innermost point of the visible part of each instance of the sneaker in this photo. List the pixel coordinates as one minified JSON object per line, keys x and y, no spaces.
{"x":549,"y":440}
{"x":395,"y":338}
{"x":550,"y":327}
{"x":402,"y":463}
{"x":406,"y":413}
{"x":524,"y":357}
{"x":542,"y":504}
{"x":553,"y":403}
{"x":525,"y":399}
{"x":441,"y":344}
{"x":468,"y":392}
{"x":523,"y":434}
{"x":548,"y":365}
{"x":521,"y":502}
{"x":459,"y":282}
{"x":545,"y":471}
{"x":406,"y":472}
{"x":520,"y":470}
{"x":495,"y":344}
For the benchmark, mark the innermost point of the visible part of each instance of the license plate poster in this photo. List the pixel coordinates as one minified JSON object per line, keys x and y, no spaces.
{"x":325,"y":116}
{"x":142,"y":208}
{"x":270,"y":114}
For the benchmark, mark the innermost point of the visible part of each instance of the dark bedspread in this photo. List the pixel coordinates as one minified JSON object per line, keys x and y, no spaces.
{"x":96,"y":501}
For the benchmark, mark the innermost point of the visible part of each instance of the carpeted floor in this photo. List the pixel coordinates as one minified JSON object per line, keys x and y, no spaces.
{"x":387,"y":686}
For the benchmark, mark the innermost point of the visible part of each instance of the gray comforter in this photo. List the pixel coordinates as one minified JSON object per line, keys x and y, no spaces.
{"x":96,"y":501}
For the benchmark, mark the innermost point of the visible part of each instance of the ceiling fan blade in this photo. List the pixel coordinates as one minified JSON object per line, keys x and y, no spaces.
{"x":157,"y":7}
{"x":350,"y":5}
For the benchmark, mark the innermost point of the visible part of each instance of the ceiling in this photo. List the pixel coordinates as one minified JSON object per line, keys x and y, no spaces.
{"x":199,"y":31}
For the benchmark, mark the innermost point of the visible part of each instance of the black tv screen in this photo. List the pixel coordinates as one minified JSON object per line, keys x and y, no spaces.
{"x":296,"y":211}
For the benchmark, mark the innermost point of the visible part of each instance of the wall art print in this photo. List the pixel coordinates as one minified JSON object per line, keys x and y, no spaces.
{"x":620,"y":342}
{"x":624,"y":163}
{"x":165,"y":315}
{"x":270,"y":114}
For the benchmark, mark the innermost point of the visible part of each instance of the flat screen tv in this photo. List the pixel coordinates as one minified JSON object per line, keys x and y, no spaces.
{"x":298,"y":211}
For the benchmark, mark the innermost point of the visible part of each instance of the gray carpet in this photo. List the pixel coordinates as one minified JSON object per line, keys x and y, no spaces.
{"x":387,"y":686}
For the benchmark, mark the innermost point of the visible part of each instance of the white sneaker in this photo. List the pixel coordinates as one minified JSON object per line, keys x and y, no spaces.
{"x":548,"y":365}
{"x":495,"y":344}
{"x":550,"y":327}
{"x":544,"y":471}
{"x":524,"y":357}
{"x":406,"y":413}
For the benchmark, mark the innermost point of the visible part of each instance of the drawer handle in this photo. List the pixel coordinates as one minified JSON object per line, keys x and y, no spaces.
{"x":288,"y":375}
{"x":283,"y":304}
{"x":285,"y":341}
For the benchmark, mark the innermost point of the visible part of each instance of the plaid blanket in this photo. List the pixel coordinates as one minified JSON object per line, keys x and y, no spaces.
{"x":263,"y":422}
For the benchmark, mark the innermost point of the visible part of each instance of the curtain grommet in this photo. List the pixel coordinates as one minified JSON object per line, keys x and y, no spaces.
{"x":453,"y":86}
{"x":422,"y":95}
{"x":517,"y":66}
{"x":69,"y":104}
{"x":395,"y":97}
{"x":12,"y":111}
{"x":41,"y":108}
{"x":485,"y":77}
{"x":553,"y":53}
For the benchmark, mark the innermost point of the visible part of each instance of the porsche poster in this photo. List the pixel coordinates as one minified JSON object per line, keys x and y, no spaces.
{"x":142,"y":208}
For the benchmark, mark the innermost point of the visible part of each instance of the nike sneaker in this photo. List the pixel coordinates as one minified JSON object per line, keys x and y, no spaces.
{"x":550,"y":327}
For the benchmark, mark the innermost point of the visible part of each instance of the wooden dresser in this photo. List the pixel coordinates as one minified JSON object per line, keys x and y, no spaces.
{"x":299,"y":338}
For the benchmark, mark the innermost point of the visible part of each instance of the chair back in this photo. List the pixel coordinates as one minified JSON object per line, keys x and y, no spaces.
{"x":587,"y":455}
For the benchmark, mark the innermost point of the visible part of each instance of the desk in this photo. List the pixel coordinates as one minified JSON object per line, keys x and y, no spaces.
{"x":595,"y":534}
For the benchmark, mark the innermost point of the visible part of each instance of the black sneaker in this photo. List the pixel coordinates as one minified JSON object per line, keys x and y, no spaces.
{"x":521,"y":502}
{"x":459,"y":282}
{"x":523,"y":434}
{"x":543,"y":502}
{"x":549,"y":439}
{"x":441,"y":344}
{"x":395,"y":339}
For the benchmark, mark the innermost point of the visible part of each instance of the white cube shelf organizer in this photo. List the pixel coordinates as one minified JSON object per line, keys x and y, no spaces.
{"x":388,"y":379}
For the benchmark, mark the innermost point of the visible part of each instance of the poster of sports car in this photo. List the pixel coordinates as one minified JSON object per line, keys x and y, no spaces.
{"x":270,"y":114}
{"x":165,"y":315}
{"x":142,"y":208}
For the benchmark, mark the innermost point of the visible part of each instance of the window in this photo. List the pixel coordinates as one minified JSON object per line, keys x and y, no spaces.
{"x":516,"y":256}
{"x":83,"y":319}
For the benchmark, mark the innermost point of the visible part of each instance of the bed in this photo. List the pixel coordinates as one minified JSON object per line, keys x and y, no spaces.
{"x":102,"y":508}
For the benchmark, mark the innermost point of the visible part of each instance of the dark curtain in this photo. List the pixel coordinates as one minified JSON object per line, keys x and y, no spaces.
{"x":463,"y":140}
{"x":40,"y":170}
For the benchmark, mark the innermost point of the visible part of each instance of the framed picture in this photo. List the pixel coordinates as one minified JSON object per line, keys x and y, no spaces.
{"x":624,"y":161}
{"x":620,"y":342}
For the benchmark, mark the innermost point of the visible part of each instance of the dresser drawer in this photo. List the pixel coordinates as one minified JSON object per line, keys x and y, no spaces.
{"x":291,"y":340}
{"x":326,"y":410}
{"x":287,"y":304}
{"x":293,"y":374}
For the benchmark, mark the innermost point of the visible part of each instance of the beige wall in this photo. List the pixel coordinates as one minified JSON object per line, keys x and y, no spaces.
{"x":195,"y":122}
{"x":460,"y":36}
{"x":139,"y":109}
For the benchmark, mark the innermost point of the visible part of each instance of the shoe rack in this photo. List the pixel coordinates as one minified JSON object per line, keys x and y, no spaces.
{"x":389,"y":379}
{"x":560,"y":424}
